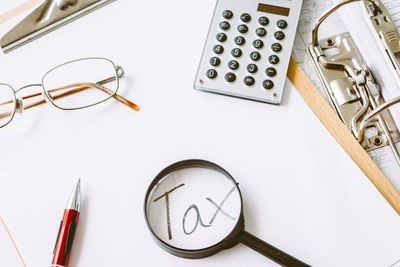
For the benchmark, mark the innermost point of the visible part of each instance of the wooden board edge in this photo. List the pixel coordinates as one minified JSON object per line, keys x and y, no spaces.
{"x":18,"y":10}
{"x":343,"y":136}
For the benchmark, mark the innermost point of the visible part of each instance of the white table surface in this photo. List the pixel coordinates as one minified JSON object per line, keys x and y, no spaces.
{"x":302,"y":192}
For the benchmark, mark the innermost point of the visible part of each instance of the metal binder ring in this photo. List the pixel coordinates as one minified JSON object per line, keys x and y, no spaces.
{"x":315,"y":41}
{"x":373,"y":114}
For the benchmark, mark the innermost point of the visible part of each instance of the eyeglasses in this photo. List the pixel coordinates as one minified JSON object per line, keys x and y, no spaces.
{"x":86,"y":76}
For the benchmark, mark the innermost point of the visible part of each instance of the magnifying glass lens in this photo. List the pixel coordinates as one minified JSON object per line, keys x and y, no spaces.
{"x":193,"y":208}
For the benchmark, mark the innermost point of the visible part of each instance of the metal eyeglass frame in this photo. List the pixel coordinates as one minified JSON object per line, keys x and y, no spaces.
{"x":75,"y":88}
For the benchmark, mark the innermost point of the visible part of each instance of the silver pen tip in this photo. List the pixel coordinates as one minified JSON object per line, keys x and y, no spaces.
{"x":74,"y":202}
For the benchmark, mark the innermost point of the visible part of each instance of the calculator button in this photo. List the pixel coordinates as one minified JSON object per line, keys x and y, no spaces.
{"x":252,"y":68}
{"x":249,"y":81}
{"x":227,"y":14}
{"x":261,"y":32}
{"x":211,"y":74}
{"x":263,"y":21}
{"x":218,"y":49}
{"x":268,"y":84}
{"x":240,"y":40}
{"x":258,"y":44}
{"x":215,"y":61}
{"x":277,"y":47}
{"x":224,"y":25}
{"x":237,"y":52}
{"x":221,"y":37}
{"x":273,"y":59}
{"x":243,"y":28}
{"x":245,"y":17}
{"x":233,"y":65}
{"x":271,"y":72}
{"x":255,"y":56}
{"x":230,"y":77}
{"x":282,"y":24}
{"x":279,"y":35}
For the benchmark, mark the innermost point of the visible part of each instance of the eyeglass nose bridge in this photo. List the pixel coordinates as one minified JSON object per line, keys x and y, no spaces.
{"x":19,"y":106}
{"x":29,"y":85}
{"x":20,"y":100}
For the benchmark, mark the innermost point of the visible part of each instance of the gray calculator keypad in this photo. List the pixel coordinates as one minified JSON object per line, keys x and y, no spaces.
{"x":257,"y":44}
{"x":247,"y":52}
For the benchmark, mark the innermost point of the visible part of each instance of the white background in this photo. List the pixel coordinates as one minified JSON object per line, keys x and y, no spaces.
{"x":302,"y":192}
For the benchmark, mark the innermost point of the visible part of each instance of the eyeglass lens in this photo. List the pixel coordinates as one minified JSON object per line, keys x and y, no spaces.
{"x":81,"y":83}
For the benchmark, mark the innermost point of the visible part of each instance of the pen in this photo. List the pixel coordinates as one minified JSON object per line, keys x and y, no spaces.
{"x":62,"y":249}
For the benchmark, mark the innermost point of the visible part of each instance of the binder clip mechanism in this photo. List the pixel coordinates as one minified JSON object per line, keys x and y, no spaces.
{"x":386,"y":33}
{"x":351,"y":87}
{"x":48,"y":16}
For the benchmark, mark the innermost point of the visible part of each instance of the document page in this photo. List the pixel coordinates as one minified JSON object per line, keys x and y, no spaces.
{"x":311,"y":11}
{"x":117,"y":152}
{"x":394,"y":9}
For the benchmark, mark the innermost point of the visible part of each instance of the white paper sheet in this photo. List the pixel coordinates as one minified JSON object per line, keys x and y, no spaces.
{"x":281,"y":155}
{"x":394,"y":9}
{"x":310,"y":12}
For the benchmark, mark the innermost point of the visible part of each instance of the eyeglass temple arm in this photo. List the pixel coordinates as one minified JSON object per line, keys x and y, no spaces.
{"x":73,"y":91}
{"x":83,"y":87}
{"x":98,"y":85}
{"x":41,"y":102}
{"x":5,"y":114}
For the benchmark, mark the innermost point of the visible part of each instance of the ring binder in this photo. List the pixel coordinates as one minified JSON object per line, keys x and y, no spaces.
{"x":386,"y":34}
{"x":349,"y":83}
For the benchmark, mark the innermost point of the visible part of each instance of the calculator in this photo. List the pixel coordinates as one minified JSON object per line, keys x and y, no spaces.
{"x":248,"y":49}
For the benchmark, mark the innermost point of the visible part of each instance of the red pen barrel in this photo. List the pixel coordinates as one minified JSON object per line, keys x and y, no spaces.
{"x":62,"y":249}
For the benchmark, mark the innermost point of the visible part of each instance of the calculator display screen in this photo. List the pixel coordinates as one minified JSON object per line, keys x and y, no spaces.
{"x":283,"y":11}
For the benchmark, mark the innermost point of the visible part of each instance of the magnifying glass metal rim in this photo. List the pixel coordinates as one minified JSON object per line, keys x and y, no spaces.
{"x":228,"y":242}
{"x":237,"y":235}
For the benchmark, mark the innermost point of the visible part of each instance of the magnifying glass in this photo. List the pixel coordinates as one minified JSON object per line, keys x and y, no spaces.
{"x":194,"y":209}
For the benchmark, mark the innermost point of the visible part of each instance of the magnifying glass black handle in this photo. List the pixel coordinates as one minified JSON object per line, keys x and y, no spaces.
{"x":269,"y":251}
